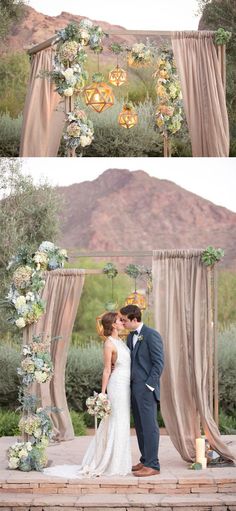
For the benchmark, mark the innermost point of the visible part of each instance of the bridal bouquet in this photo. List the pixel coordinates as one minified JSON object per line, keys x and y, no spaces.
{"x":98,"y":405}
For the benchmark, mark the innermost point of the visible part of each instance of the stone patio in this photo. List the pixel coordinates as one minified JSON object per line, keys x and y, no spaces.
{"x":176,"y":488}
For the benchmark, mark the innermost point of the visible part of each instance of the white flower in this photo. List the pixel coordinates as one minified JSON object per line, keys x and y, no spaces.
{"x":84,"y":35}
{"x":23,"y":453}
{"x":20,"y":323}
{"x":84,"y":141}
{"x":86,"y":23}
{"x":68,"y":73}
{"x":26,"y":350}
{"x":69,"y":92}
{"x":13,"y":462}
{"x":30,"y":297}
{"x":20,"y":302}
{"x":63,"y":252}
{"x":28,"y":446}
{"x":40,"y":376}
{"x":46,"y":246}
{"x":37,"y":433}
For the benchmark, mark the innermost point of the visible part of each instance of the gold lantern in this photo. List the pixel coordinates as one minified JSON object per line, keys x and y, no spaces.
{"x":117,"y":76}
{"x":128,"y":118}
{"x":99,"y":95}
{"x":136,"y":298}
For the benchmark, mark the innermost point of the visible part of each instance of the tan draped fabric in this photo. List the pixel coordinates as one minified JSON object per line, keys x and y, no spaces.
{"x":43,"y":117}
{"x":200,"y":71}
{"x":62,"y":293}
{"x":181,"y":305}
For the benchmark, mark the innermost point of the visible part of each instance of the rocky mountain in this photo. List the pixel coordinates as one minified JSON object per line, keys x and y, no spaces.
{"x":123,"y":210}
{"x":35,"y":27}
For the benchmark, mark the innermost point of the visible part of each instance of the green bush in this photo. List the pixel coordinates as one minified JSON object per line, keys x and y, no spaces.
{"x":227,"y":424}
{"x":227,"y":365}
{"x":9,"y":423}
{"x":10,"y":130}
{"x":78,"y":423}
{"x":83,"y":374}
{"x":14,"y":75}
{"x":9,"y":380}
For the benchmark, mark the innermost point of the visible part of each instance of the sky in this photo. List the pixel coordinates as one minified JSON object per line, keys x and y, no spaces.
{"x":131,"y":14}
{"x":211,"y":178}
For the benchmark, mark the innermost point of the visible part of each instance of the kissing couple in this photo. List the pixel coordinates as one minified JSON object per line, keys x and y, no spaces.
{"x":131,"y":372}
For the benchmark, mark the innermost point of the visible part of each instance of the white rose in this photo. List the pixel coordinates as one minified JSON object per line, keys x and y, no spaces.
{"x":40,"y":376}
{"x":63,"y":252}
{"x":86,"y":23}
{"x":26,"y":350}
{"x":69,"y":92}
{"x":20,"y":301}
{"x":68,"y":73}
{"x":20,"y":323}
{"x":23,"y":453}
{"x":30,"y":297}
{"x":84,"y":35}
{"x":28,"y":446}
{"x":84,"y":140}
{"x":37,"y":433}
{"x":13,"y":462}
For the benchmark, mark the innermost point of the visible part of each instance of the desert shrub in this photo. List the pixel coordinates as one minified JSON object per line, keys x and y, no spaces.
{"x":10,"y":130}
{"x":83,"y":374}
{"x":9,"y":423}
{"x":14,"y":75}
{"x":78,"y":423}
{"x":227,"y":364}
{"x":226,"y":299}
{"x":9,"y":381}
{"x":227,"y":424}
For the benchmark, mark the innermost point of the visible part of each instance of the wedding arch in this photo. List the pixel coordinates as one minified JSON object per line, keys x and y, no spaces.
{"x":185,"y":307}
{"x":201,"y":68}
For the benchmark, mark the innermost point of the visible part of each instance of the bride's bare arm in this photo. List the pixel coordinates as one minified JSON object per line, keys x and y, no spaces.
{"x":107,"y":357}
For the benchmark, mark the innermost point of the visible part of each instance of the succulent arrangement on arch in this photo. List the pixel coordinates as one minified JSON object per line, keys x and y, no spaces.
{"x":212,"y":255}
{"x":111,"y":272}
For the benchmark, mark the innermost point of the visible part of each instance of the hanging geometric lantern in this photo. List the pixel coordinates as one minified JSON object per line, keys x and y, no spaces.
{"x":128,"y":118}
{"x":117,"y":76}
{"x":136,"y":299}
{"x":98,"y":95}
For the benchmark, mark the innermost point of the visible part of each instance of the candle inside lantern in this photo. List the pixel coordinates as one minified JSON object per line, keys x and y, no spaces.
{"x":200,"y":449}
{"x":203,"y":462}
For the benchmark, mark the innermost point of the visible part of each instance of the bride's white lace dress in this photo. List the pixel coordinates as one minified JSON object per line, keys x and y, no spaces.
{"x":109,"y":452}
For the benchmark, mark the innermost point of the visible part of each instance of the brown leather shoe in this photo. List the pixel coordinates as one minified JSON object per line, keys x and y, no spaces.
{"x":137,"y":467}
{"x":146,"y":471}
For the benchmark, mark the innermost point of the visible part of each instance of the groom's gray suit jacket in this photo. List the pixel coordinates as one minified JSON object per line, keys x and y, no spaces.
{"x":147,"y":358}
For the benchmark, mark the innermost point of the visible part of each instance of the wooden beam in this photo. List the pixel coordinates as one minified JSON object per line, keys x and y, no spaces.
{"x":161,"y":33}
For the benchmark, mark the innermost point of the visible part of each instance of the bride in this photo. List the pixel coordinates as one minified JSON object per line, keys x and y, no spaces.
{"x":109,"y":452}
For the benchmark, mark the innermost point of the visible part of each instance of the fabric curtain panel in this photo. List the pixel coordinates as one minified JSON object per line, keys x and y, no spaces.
{"x":181,"y":306}
{"x":202,"y":80}
{"x":43,"y":116}
{"x":62,"y":294}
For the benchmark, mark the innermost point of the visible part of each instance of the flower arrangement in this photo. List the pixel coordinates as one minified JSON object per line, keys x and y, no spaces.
{"x":25,"y":456}
{"x":37,"y":426}
{"x":98,"y":405}
{"x":36,"y":363}
{"x":141,"y":55}
{"x":23,"y":299}
{"x":68,"y":71}
{"x":79,"y":130}
{"x":169,"y":108}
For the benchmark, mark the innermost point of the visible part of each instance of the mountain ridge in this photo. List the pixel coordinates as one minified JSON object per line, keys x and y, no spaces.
{"x":124,"y":210}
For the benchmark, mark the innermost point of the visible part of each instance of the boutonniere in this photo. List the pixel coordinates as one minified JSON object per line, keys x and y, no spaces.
{"x":140,"y":338}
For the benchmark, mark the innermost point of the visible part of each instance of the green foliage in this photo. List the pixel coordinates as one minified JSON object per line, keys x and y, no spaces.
{"x":227,"y":364}
{"x":212,"y":255}
{"x":83,"y":374}
{"x":222,"y":36}
{"x":78,"y":423}
{"x":226,"y":299}
{"x":227,"y":424}
{"x":9,"y":380}
{"x":10,"y":11}
{"x":14,"y":75}
{"x":10,"y":130}
{"x":28,"y":214}
{"x":9,"y":423}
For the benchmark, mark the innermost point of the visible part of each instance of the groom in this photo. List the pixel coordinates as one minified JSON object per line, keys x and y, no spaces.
{"x":147,"y":362}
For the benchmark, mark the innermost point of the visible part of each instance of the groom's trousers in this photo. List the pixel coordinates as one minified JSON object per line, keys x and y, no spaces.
{"x":144,"y":407}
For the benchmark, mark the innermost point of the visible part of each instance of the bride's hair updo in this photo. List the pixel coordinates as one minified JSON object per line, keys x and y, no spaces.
{"x":107,"y":321}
